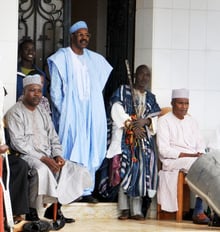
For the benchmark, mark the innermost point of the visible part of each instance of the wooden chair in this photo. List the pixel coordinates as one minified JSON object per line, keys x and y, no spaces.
{"x":183,"y":201}
{"x":183,"y":192}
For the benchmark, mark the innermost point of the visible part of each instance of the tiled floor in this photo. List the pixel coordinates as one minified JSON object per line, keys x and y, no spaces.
{"x":102,"y":217}
{"x":115,"y":225}
{"x":108,"y":225}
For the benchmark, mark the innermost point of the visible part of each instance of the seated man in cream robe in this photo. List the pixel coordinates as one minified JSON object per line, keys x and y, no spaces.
{"x":33,"y":136}
{"x":179,"y":144}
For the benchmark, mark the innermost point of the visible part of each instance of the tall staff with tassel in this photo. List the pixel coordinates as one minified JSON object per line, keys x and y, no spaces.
{"x":139,"y":142}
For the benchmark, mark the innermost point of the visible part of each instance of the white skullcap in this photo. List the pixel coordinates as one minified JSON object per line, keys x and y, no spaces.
{"x":78,"y":25}
{"x":180,"y":93}
{"x":32,"y":79}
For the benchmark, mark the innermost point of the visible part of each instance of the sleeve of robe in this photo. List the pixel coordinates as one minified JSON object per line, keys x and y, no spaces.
{"x":56,"y":86}
{"x":163,"y":140}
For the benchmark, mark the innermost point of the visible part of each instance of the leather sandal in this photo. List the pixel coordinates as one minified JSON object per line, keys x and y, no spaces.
{"x":124,"y":215}
{"x":137,"y":217}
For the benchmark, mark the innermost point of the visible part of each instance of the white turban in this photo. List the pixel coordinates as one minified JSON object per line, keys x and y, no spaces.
{"x":180,"y":93}
{"x":32,"y":79}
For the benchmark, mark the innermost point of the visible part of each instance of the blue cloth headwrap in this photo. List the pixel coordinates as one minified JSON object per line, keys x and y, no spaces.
{"x":78,"y":25}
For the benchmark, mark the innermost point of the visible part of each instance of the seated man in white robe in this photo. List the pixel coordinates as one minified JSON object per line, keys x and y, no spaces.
{"x":32,"y":134}
{"x":179,"y":144}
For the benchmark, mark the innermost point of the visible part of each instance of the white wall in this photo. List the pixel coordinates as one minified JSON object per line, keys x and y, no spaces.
{"x":180,"y":39}
{"x":8,"y":48}
{"x":185,"y":51}
{"x":144,"y":32}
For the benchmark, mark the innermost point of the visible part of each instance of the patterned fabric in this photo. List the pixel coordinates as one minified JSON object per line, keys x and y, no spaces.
{"x":138,"y":178}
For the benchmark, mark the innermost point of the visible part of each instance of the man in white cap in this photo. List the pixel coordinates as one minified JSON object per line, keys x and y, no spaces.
{"x":78,"y":77}
{"x":179,"y":144}
{"x":33,"y":136}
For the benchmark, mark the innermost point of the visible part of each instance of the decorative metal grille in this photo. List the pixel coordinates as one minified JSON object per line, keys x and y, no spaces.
{"x":47,"y":23}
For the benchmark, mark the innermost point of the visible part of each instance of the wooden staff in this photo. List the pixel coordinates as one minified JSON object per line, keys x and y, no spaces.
{"x":131,"y":85}
{"x":140,"y":141}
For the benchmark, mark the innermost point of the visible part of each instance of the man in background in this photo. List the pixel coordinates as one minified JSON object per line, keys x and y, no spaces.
{"x":26,"y":64}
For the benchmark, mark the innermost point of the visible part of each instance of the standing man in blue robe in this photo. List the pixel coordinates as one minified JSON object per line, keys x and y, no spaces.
{"x":78,"y":77}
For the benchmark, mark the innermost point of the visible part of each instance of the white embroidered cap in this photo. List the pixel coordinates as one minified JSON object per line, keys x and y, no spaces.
{"x":32,"y":79}
{"x":180,"y":93}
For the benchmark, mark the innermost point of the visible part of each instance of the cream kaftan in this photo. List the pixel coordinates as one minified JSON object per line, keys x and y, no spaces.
{"x":173,"y":137}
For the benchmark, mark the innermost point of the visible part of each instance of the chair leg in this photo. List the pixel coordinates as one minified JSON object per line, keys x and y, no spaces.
{"x":158,"y":211}
{"x":55,"y":207}
{"x":179,"y":213}
{"x":183,"y":201}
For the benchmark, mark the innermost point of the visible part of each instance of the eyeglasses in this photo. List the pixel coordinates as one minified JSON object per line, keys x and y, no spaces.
{"x":81,"y":35}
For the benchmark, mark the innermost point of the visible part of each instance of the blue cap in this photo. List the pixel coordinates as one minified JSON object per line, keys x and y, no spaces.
{"x":78,"y":25}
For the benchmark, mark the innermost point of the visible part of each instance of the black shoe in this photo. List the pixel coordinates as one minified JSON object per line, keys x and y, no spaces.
{"x":49,"y":214}
{"x":58,"y":224}
{"x":37,"y":226}
{"x":69,"y":220}
{"x":32,"y":215}
{"x":89,"y":199}
{"x":215,"y":221}
{"x":61,"y":216}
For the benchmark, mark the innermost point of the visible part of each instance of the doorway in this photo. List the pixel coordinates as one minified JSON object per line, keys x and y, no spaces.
{"x":111,"y":23}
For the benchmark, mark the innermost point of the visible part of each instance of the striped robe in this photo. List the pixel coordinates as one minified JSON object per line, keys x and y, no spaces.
{"x":137,"y":178}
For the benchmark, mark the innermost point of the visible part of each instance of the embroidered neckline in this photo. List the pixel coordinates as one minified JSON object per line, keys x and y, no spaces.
{"x":140,"y":102}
